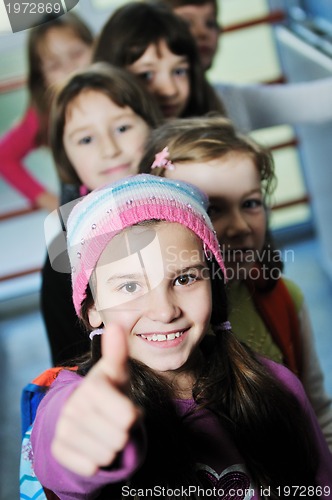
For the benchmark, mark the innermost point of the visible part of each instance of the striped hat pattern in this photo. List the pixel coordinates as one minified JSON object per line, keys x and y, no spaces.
{"x":105,"y":212}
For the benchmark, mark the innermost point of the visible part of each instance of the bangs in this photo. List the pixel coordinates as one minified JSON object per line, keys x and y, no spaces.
{"x":176,"y":35}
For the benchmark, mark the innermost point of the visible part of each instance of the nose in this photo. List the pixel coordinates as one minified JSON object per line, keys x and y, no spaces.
{"x":162,"y":306}
{"x":199,"y":30}
{"x":68,"y":66}
{"x":165,"y":86}
{"x":237,"y":225}
{"x":109,"y":146}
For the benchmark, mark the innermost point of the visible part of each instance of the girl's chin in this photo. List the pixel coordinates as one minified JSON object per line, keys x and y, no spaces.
{"x":165,"y":370}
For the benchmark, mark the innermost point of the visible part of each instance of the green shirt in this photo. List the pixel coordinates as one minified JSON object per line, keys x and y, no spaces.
{"x":247,"y":323}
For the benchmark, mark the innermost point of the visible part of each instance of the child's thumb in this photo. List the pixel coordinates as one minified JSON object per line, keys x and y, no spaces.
{"x":115,"y":351}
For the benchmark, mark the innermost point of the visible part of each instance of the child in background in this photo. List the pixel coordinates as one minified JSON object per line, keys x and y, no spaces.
{"x":161,"y":404}
{"x":56,"y":47}
{"x":202,"y":19}
{"x":267,"y":310}
{"x":254,"y":106}
{"x":100,"y":121}
{"x":159,"y":49}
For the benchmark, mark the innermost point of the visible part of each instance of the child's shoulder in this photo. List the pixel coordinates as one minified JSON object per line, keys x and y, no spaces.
{"x":31,"y":116}
{"x":66,"y":376}
{"x":287,"y":378}
{"x":295,"y":292}
{"x":58,"y":392}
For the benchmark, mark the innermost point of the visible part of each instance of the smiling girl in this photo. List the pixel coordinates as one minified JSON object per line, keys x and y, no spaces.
{"x":100,"y":121}
{"x":160,"y":403}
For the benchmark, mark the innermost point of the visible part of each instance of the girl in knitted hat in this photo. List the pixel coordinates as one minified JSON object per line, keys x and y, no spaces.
{"x":267,"y":310}
{"x":100,"y":120}
{"x":168,"y":403}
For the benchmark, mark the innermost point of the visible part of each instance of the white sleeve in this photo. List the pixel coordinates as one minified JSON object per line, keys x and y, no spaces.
{"x":257,"y":106}
{"x":313,"y":378}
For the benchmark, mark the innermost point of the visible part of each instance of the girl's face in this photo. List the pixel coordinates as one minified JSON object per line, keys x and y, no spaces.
{"x":166,"y":75}
{"x":160,"y":294}
{"x":204,"y":28}
{"x":236,"y":207}
{"x":61,"y":53}
{"x":103,"y":141}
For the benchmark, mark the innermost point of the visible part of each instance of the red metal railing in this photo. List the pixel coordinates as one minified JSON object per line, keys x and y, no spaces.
{"x":276,"y":16}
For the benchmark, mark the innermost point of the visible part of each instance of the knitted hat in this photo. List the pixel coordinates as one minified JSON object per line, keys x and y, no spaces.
{"x":105,"y":212}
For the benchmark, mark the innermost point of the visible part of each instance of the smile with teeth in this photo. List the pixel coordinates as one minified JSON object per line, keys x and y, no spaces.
{"x":162,"y":337}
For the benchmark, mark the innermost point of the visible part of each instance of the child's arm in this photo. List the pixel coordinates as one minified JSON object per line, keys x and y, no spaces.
{"x":312,"y":374}
{"x":93,"y":428}
{"x":14,"y":146}
{"x":256,"y":106}
{"x":313,"y":378}
{"x":293,"y":384}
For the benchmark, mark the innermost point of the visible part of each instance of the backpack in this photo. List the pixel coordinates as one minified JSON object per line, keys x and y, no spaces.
{"x":32,"y":394}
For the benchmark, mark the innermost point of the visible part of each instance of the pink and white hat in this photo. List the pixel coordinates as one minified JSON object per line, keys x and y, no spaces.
{"x":105,"y":212}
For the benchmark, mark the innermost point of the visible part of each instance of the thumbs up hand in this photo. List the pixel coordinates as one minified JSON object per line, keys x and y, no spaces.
{"x":96,"y":420}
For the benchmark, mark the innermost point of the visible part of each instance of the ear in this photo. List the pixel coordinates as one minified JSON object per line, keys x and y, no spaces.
{"x":94,"y":317}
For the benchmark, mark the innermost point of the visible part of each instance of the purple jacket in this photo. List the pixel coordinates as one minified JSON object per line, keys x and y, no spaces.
{"x":214,"y":468}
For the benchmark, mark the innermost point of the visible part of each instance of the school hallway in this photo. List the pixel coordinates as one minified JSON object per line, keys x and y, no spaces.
{"x":24,"y":348}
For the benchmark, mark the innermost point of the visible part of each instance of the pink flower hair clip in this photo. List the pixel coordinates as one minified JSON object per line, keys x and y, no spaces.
{"x":161,"y":160}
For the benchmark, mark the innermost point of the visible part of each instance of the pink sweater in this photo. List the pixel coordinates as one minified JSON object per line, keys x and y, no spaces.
{"x":14,"y":147}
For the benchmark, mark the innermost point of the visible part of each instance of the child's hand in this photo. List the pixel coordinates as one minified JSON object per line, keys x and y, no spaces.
{"x":96,"y":420}
{"x":47,"y":201}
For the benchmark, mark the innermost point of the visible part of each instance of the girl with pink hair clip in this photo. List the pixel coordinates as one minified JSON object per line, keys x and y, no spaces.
{"x":268,"y":311}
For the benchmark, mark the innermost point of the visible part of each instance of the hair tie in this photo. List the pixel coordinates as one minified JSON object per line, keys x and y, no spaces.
{"x":160,"y":160}
{"x":225,"y":326}
{"x":98,"y":331}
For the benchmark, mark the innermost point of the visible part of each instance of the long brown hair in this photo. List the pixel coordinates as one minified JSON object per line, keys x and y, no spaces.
{"x":264,"y":420}
{"x":40,"y":95}
{"x":180,"y":3}
{"x":135,"y":26}
{"x":115,"y":83}
{"x":174,"y":4}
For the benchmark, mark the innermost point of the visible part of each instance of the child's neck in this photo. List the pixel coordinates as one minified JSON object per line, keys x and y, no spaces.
{"x":182,"y":385}
{"x":182,"y":381}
